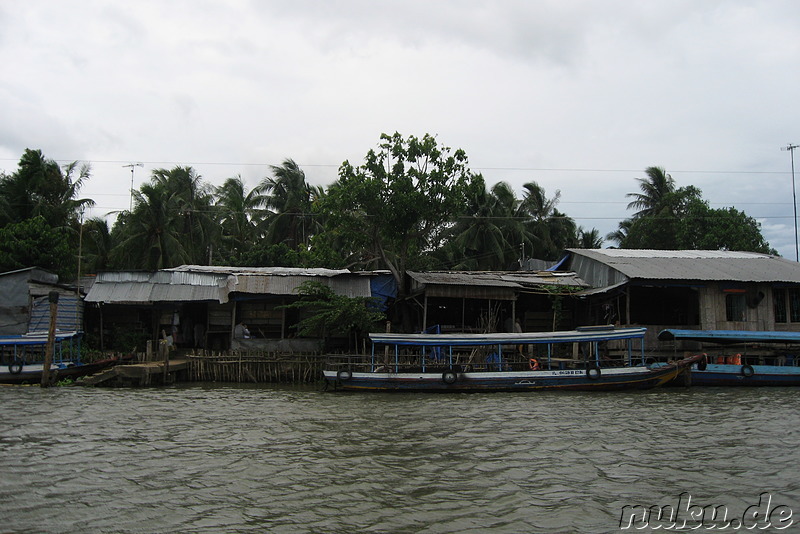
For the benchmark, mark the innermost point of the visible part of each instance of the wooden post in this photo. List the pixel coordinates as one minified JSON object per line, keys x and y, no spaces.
{"x":51,"y":336}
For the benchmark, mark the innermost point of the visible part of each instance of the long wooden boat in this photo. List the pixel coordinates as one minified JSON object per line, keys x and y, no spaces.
{"x":591,"y":358}
{"x":742,"y":357}
{"x":22,"y":358}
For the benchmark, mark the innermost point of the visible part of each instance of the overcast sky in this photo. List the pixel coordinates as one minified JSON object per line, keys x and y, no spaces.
{"x":578,"y":96}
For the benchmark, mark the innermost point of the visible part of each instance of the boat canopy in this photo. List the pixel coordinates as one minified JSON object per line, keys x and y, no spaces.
{"x":730,"y":336}
{"x":587,"y":334}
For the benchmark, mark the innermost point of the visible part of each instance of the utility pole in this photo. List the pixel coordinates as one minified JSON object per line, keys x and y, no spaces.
{"x":790,"y":147}
{"x":132,"y":166}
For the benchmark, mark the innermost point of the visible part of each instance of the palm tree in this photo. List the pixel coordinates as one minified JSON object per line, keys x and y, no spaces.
{"x":589,"y":238}
{"x":655,"y":188}
{"x":290,"y":199}
{"x":189,"y":201}
{"x":486,"y":237}
{"x":620,"y":234}
{"x":97,"y":245}
{"x":240,"y":211}
{"x":40,"y":187}
{"x":152,"y":236}
{"x":550,"y":230}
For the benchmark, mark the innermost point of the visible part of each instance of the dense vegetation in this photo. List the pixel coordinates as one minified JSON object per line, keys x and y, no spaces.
{"x":412,"y":204}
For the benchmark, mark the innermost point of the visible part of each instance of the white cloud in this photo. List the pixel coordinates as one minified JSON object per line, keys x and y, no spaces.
{"x":605,"y":88}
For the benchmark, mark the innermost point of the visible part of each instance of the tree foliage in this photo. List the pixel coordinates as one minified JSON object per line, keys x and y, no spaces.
{"x":326,"y":313}
{"x":680,"y":219}
{"x":34,"y":243}
{"x":397,"y":206}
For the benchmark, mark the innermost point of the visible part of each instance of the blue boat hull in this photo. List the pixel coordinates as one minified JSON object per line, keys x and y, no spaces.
{"x":739,"y":375}
{"x":607,"y":379}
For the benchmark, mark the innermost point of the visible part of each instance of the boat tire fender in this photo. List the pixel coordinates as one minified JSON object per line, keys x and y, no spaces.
{"x":15,"y":367}
{"x":344,"y":375}
{"x":703,"y":363}
{"x":593,"y":373}
{"x":748,"y":371}
{"x":449,"y":377}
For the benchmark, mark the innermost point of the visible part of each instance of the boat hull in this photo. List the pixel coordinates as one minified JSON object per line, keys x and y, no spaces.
{"x":740,"y":375}
{"x":32,"y":373}
{"x":569,"y":379}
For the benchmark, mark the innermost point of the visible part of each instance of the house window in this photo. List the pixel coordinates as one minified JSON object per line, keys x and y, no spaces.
{"x":794,"y":305}
{"x":779,"y":302}
{"x":735,"y":307}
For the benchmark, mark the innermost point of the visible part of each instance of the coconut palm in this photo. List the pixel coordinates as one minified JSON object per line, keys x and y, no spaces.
{"x":655,"y":189}
{"x":151,"y":237}
{"x":289,"y":198}
{"x":240,"y":211}
{"x":188,"y":200}
{"x":41,"y":187}
{"x":486,"y":237}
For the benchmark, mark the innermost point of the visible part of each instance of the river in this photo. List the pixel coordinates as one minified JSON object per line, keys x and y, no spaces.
{"x":215,"y":458}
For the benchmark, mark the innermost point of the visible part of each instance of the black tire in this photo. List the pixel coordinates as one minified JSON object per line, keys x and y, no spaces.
{"x":593,"y":373}
{"x":449,"y":377}
{"x":748,"y":371}
{"x":702,"y":364}
{"x":15,"y":367}
{"x":344,"y":375}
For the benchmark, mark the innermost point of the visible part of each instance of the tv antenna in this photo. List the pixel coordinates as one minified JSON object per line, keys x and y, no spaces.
{"x":790,"y":148}
{"x":132,"y":166}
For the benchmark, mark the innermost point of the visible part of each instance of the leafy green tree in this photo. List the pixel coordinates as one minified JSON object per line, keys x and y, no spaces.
{"x":706,"y":228}
{"x":397,"y":206}
{"x":34,"y":243}
{"x":327,"y":314}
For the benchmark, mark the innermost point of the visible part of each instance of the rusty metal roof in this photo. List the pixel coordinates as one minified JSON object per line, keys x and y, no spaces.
{"x":214,"y":283}
{"x":699,"y":265}
{"x":509,"y":279}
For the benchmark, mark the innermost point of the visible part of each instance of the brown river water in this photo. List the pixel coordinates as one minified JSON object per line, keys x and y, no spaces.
{"x":215,"y":458}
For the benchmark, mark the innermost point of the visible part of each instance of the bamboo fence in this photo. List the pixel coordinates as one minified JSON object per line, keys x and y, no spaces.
{"x":255,"y":367}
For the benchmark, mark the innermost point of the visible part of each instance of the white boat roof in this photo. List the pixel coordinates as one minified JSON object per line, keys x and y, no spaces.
{"x":601,"y":333}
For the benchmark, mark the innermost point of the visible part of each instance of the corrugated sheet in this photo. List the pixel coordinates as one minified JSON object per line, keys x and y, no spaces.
{"x":702,"y":265}
{"x":192,"y":284}
{"x":350,"y":285}
{"x":510,"y":279}
{"x":275,"y":271}
{"x":146,"y":293}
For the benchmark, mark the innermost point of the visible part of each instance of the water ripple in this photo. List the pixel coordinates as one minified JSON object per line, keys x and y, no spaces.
{"x":254,"y":459}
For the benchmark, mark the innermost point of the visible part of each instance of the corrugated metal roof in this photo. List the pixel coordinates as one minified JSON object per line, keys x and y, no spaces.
{"x":701,"y":265}
{"x":510,"y":279}
{"x":203,"y":283}
{"x":274,"y":271}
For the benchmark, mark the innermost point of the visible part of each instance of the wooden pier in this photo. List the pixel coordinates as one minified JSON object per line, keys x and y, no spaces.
{"x":139,"y":374}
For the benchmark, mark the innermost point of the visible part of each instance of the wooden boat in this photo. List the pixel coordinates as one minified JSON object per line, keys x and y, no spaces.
{"x":22,"y":358}
{"x":742,"y":357}
{"x":590,"y":358}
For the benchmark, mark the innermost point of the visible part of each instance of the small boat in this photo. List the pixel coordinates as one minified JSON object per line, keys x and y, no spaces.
{"x":742,"y":357}
{"x":22,"y":358}
{"x":588,"y":358}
